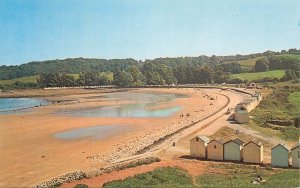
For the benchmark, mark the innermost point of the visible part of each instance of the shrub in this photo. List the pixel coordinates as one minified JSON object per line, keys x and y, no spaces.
{"x":81,"y":186}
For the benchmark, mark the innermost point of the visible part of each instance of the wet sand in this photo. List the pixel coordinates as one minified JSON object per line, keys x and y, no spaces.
{"x":30,"y":154}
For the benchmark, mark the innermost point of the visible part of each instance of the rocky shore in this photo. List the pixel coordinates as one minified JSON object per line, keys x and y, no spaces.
{"x":66,"y":178}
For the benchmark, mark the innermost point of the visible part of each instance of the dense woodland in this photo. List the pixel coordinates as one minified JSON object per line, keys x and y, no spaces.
{"x":160,"y":71}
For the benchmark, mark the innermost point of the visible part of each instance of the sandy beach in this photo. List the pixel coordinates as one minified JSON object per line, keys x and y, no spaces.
{"x":31,"y":154}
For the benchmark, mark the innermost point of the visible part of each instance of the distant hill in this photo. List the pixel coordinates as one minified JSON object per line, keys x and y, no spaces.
{"x":79,"y":65}
{"x":68,"y":66}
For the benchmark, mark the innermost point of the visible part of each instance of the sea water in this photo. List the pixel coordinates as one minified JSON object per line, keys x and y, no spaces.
{"x":93,"y":132}
{"x":8,"y":105}
{"x":143,"y":105}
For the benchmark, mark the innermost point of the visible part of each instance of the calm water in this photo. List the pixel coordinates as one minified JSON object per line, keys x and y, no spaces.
{"x":143,"y":106}
{"x":132,"y":110}
{"x":95,"y":132}
{"x":10,"y":104}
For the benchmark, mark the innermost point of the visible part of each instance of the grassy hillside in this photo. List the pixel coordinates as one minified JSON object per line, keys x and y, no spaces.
{"x":282,"y":104}
{"x":248,"y":64}
{"x":297,"y":56}
{"x":259,"y":75}
{"x":294,"y":98}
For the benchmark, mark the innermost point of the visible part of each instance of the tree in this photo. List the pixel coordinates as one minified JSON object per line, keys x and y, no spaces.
{"x":180,"y":73}
{"x":204,"y":74}
{"x":154,"y":78}
{"x":296,"y":70}
{"x":67,"y":80}
{"x":289,"y":75}
{"x":166,"y":73}
{"x":220,"y":76}
{"x":88,"y":79}
{"x":138,"y":78}
{"x":54,"y":80}
{"x":236,"y":81}
{"x":233,"y":67}
{"x":123,"y":79}
{"x":275,"y":63}
{"x":261,"y":65}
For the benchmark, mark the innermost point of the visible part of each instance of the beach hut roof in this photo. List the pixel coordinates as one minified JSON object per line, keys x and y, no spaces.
{"x":203,"y":138}
{"x":242,"y":111}
{"x":237,"y":141}
{"x":243,"y":103}
{"x":251,"y":99}
{"x":259,"y":144}
{"x":256,"y":94}
{"x":219,"y":140}
{"x":296,"y":146}
{"x":281,"y":144}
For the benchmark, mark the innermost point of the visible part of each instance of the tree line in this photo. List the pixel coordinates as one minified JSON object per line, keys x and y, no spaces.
{"x":160,"y":71}
{"x":78,"y":65}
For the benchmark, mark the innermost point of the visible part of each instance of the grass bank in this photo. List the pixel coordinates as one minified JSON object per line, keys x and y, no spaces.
{"x":160,"y":177}
{"x":229,"y":175}
{"x":236,"y":175}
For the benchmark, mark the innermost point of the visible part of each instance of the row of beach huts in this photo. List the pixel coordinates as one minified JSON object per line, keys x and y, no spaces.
{"x":237,"y":150}
{"x":241,"y":110}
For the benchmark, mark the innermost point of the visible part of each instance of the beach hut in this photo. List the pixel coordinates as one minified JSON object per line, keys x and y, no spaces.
{"x":296,"y":156}
{"x":245,"y":105}
{"x":239,"y":106}
{"x":198,"y":146}
{"x":258,"y":96}
{"x":242,"y":116}
{"x":280,"y":156}
{"x":253,"y":152}
{"x":215,"y":149}
{"x":253,"y":102}
{"x":233,"y":150}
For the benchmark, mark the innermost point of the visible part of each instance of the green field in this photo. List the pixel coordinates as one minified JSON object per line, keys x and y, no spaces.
{"x":27,"y":79}
{"x":247,"y":64}
{"x":259,"y":75}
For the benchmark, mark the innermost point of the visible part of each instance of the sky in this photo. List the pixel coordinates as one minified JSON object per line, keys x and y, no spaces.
{"x":36,"y":30}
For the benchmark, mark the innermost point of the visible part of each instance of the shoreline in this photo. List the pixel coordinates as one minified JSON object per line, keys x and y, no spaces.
{"x":23,"y":130}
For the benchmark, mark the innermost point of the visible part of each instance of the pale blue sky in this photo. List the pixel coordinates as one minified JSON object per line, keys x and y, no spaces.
{"x":32,"y":30}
